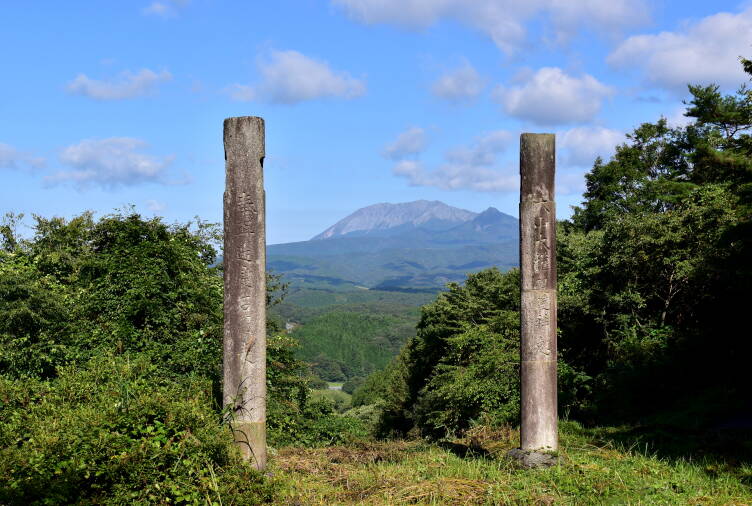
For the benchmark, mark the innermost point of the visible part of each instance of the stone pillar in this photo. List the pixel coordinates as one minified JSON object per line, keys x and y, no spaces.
{"x":538,"y":428}
{"x":244,"y":387}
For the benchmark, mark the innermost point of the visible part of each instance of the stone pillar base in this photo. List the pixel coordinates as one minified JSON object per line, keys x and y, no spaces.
{"x":532,"y":459}
{"x":250,"y":437}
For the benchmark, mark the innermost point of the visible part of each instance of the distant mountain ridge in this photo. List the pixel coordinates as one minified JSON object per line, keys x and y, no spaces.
{"x":386,"y":219}
{"x":419,"y":245}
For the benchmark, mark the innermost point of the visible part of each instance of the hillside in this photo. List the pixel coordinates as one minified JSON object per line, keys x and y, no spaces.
{"x":415,"y":246}
{"x":346,"y":335}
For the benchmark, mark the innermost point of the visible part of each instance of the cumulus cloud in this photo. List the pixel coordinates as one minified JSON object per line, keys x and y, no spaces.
{"x":126,"y":85}
{"x":471,"y":167}
{"x":109,"y":163}
{"x":502,"y":20}
{"x":408,"y":143}
{"x":11,"y":158}
{"x":289,"y":77}
{"x":461,"y":84}
{"x":164,"y":8}
{"x":551,"y":97}
{"x":580,"y":146}
{"x":483,"y":151}
{"x":703,"y":52}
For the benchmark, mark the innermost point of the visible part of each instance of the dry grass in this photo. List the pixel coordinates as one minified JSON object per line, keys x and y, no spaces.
{"x":370,"y":473}
{"x":415,"y":472}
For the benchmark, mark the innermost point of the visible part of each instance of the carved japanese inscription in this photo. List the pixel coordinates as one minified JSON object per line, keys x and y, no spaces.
{"x":542,"y":248}
{"x":248,"y":213}
{"x":542,"y":325}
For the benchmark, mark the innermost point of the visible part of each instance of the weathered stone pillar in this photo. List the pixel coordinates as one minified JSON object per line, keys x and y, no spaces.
{"x":538,"y":429}
{"x":244,"y":388}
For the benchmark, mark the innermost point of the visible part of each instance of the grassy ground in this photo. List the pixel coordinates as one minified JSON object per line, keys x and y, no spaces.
{"x":594,"y":468}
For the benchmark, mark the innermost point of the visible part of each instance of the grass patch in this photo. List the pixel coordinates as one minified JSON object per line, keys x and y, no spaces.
{"x":473,"y":470}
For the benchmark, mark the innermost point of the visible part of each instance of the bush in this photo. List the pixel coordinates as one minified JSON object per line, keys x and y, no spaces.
{"x":317,"y":424}
{"x":115,"y":431}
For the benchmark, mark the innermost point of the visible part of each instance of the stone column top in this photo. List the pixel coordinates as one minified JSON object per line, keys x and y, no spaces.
{"x":537,"y":154}
{"x":245,"y":131}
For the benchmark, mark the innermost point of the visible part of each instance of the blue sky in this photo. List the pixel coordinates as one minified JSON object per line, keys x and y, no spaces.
{"x":105,"y":104}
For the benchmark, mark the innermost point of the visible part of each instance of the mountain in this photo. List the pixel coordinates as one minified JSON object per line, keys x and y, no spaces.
{"x":487,"y":227}
{"x":389,"y":219}
{"x":415,"y":246}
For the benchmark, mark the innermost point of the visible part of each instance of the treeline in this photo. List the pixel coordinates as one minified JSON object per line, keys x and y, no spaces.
{"x":654,"y":270}
{"x":110,"y":368}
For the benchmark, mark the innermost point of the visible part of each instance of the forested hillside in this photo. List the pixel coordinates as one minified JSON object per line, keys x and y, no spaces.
{"x":346,"y":335}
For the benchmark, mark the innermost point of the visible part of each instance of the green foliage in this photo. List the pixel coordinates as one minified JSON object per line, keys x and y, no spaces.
{"x":341,"y":400}
{"x":123,"y":283}
{"x":318,"y":424}
{"x":116,"y":431}
{"x":33,"y":308}
{"x":352,"y":384}
{"x":345,"y":344}
{"x":463,"y":363}
{"x":654,"y":265}
{"x":318,"y":384}
{"x":294,"y":416}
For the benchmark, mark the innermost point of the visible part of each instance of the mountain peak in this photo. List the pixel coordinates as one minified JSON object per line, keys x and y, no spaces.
{"x":491,"y":211}
{"x":386,"y":218}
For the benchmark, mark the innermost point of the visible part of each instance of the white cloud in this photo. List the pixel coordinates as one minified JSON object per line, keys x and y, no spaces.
{"x":465,"y":168}
{"x":580,"y":146}
{"x":110,"y":163}
{"x":502,"y":20}
{"x":289,"y":77}
{"x":156,"y":206}
{"x":677,"y":119}
{"x":11,"y":158}
{"x":551,"y":97}
{"x":126,"y":85}
{"x":461,"y":84}
{"x":240,"y":92}
{"x":409,"y":142}
{"x":703,"y":52}
{"x":483,"y":152}
{"x":165,"y":8}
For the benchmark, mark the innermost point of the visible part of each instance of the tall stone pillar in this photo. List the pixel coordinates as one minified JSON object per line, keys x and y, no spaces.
{"x":538,"y":429}
{"x":244,"y":387}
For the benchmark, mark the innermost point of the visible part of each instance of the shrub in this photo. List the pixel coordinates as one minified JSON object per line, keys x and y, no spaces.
{"x":115,"y":431}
